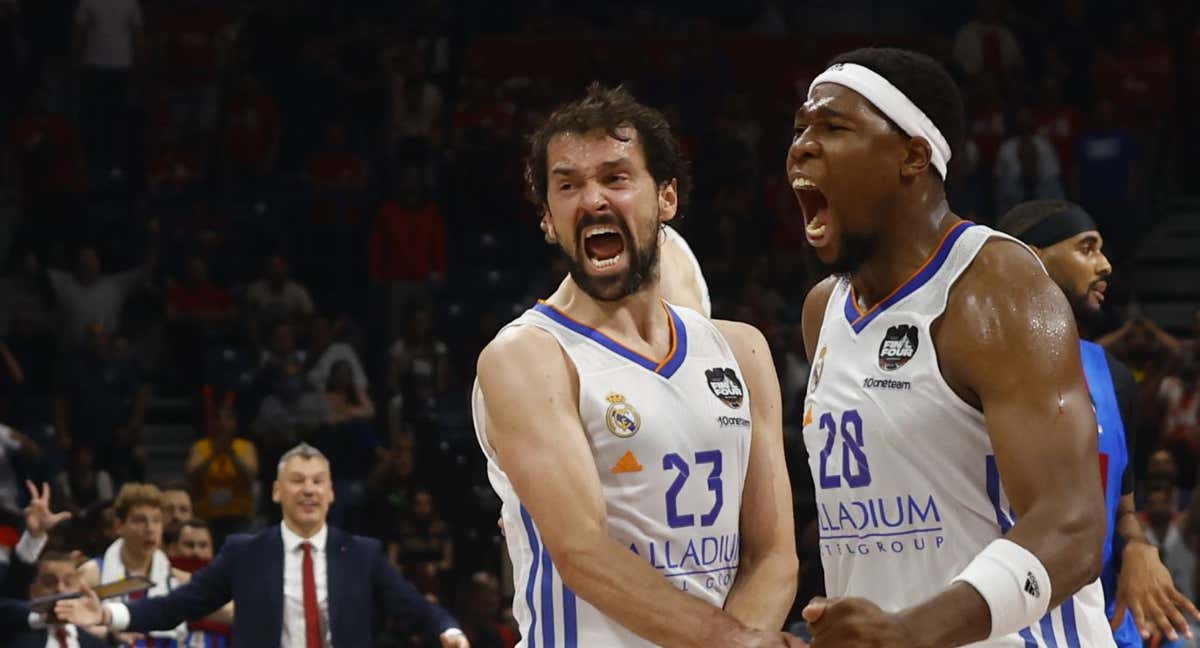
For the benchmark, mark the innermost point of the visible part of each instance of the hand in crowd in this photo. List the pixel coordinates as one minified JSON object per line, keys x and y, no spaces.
{"x":39,"y":519}
{"x":454,"y":640}
{"x":1145,"y":588}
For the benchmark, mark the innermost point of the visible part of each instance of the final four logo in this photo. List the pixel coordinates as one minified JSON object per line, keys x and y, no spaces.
{"x":622,"y":420}
{"x":898,"y":347}
{"x":817,"y":370}
{"x":724,"y":384}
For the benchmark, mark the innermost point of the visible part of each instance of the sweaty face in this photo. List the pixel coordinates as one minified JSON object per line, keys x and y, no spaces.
{"x":844,"y":165}
{"x":304,"y":490}
{"x":194,"y":543}
{"x":1079,"y":267}
{"x":605,"y":210}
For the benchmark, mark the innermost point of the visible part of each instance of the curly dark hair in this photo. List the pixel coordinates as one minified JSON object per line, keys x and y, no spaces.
{"x":610,"y":109}
{"x":923,"y":80}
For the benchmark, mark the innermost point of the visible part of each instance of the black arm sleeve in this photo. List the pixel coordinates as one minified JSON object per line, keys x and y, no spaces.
{"x":1126,"y":390}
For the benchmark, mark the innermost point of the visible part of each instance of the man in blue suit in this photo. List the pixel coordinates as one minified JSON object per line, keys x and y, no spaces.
{"x":1139,"y":594}
{"x":301,"y":584}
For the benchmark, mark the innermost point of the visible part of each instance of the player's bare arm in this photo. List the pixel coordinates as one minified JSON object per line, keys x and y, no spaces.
{"x":765,"y":586}
{"x":1008,"y":345}
{"x":532,"y":396}
{"x":1144,"y":585}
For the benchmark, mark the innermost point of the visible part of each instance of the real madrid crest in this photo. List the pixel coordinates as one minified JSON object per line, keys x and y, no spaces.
{"x":817,"y":370}
{"x":622,"y":419}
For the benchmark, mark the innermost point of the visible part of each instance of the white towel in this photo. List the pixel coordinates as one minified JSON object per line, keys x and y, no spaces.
{"x":112,"y":569}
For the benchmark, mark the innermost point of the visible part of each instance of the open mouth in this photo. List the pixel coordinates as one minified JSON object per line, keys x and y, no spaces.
{"x":603,"y":245}
{"x":816,"y":210}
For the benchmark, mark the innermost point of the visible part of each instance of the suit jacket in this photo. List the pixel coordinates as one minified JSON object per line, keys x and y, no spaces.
{"x":37,"y":639}
{"x":363,"y":588}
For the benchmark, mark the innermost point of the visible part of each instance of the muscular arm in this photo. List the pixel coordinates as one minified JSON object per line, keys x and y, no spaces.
{"x":1009,"y":345}
{"x":550,"y":464}
{"x":768,"y":568}
{"x":814,"y":313}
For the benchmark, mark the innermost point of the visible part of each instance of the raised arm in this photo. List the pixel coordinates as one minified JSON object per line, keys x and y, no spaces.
{"x":549,"y":462}
{"x":768,"y":569}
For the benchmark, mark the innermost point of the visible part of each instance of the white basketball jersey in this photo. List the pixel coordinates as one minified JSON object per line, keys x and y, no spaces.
{"x":907,"y":486}
{"x":671,"y":442}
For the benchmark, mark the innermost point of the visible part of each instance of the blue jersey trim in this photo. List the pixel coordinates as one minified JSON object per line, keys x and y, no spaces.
{"x":859,"y":319}
{"x":666,"y":367}
{"x":535,"y":547}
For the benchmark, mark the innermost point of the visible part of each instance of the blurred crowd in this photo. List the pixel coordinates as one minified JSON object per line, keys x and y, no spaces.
{"x":304,"y":220}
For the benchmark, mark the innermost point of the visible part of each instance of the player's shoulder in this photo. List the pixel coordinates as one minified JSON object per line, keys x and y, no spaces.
{"x":521,"y":350}
{"x":1006,"y":281}
{"x":813,"y":313}
{"x":748,"y":344}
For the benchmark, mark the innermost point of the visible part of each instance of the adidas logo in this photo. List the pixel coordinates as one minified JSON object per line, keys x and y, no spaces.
{"x":628,"y":463}
{"x":1031,"y":586}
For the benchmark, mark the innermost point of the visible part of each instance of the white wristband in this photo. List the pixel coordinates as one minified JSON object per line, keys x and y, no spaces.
{"x":1013,"y":582}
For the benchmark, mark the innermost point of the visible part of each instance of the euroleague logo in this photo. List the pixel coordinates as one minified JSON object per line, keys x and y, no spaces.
{"x":724,"y":384}
{"x":898,"y":347}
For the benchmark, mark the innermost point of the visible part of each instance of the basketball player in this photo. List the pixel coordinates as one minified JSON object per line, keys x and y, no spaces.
{"x":950,"y":434}
{"x":637,"y":446}
{"x":1066,"y":239}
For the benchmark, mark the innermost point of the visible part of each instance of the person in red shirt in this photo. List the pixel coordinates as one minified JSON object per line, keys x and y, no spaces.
{"x":335,"y":173}
{"x":407,"y":247}
{"x":252,"y":130}
{"x":197,"y":311}
{"x":1058,"y":122}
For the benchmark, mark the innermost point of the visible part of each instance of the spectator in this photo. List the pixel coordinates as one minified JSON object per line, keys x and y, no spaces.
{"x":88,"y":297}
{"x":1058,"y":122}
{"x":138,"y":552}
{"x":420,"y":367}
{"x":1180,"y":396}
{"x":44,"y":163}
{"x":223,"y":468}
{"x":985,"y":46}
{"x":325,"y":350}
{"x":13,"y":446}
{"x":391,"y":485}
{"x":479,"y":614}
{"x":108,"y":41}
{"x":102,"y":403}
{"x":332,"y":173}
{"x":1136,"y":76}
{"x":176,"y":164}
{"x":192,"y":541}
{"x":81,"y":484}
{"x":347,"y":399}
{"x":424,"y":549}
{"x":198,"y":311}
{"x":416,"y":110}
{"x":275,"y":297}
{"x":1027,"y":167}
{"x":407,"y":248}
{"x":252,"y":130}
{"x":177,"y":505}
{"x":1165,"y":531}
{"x":55,"y":574}
{"x":1106,"y":179}
{"x":192,"y":37}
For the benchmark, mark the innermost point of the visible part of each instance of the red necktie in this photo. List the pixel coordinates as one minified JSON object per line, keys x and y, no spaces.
{"x":61,"y":635}
{"x":312,"y":616}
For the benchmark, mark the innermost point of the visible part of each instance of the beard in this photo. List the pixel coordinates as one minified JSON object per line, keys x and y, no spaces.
{"x":1087,"y":317}
{"x":643,"y":262}
{"x":857,"y":249}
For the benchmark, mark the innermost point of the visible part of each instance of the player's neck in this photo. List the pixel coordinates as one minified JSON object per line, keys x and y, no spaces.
{"x":638,"y":320}
{"x":913,"y":233}
{"x":136,"y":562}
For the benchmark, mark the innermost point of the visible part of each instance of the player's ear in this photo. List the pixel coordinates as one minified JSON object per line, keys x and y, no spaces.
{"x":548,"y":228}
{"x":275,"y":491}
{"x":918,"y":156}
{"x":668,"y":200}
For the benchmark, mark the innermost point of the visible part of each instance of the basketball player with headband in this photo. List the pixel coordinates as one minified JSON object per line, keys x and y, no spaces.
{"x":950,"y":433}
{"x":1138,"y":590}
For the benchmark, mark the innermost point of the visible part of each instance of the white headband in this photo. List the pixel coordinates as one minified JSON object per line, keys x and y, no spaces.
{"x":892,"y":103}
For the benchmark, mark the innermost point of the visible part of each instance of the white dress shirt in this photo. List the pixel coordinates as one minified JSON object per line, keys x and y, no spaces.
{"x":293,"y":586}
{"x":72,"y":637}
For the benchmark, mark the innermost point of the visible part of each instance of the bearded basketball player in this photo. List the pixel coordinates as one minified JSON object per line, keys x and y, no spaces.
{"x":1138,"y":591}
{"x":636,"y":445}
{"x":948,"y":424}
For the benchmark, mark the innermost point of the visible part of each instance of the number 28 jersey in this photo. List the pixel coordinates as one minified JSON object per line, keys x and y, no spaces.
{"x":671,"y":442}
{"x":908,"y":491}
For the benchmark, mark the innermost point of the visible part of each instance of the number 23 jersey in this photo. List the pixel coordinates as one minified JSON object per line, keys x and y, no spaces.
{"x":907,"y":487}
{"x":671,"y":442}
